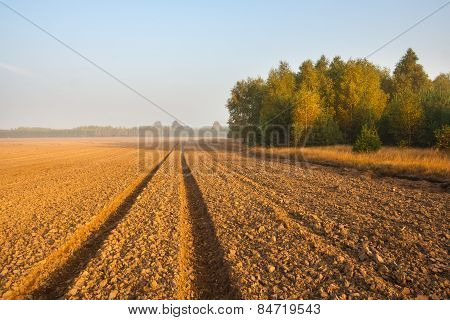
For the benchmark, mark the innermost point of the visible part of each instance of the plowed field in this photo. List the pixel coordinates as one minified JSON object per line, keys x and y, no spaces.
{"x":80,"y":219}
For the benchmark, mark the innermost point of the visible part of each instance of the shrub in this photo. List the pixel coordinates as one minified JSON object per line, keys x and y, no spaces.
{"x":403,"y":144}
{"x":325,"y":131}
{"x":367,"y":141}
{"x":443,"y":137}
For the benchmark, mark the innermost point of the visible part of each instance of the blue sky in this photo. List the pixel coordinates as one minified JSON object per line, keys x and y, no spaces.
{"x":187,"y":55}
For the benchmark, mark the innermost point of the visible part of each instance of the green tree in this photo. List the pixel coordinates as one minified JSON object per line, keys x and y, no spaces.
{"x":326,"y":86}
{"x":386,"y":82}
{"x":278,"y":102}
{"x":325,"y":130}
{"x":335,"y":72}
{"x":443,"y":137}
{"x":409,"y":73}
{"x":326,"y":103}
{"x":436,"y":108}
{"x":360,"y":99}
{"x":367,"y":141}
{"x":404,"y":116}
{"x":244,"y":107}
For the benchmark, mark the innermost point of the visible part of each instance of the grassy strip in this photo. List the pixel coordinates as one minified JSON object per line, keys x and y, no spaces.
{"x":426,"y":164}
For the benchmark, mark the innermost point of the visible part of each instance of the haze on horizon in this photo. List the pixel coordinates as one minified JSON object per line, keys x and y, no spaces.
{"x":187,"y":56}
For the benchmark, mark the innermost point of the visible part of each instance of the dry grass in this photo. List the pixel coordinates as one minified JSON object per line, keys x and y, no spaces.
{"x":423,"y":163}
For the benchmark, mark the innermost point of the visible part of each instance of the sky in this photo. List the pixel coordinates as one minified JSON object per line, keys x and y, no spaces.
{"x":187,"y":55}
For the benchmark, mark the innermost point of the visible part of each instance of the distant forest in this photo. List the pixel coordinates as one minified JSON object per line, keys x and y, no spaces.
{"x":216,"y":130}
{"x":326,"y":103}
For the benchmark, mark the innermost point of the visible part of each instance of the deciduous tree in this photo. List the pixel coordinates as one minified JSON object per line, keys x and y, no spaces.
{"x":360,"y":99}
{"x":307,"y":103}
{"x":278,"y":102}
{"x":244,"y":106}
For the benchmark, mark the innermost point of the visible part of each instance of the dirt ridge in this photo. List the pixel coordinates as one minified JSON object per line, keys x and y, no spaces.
{"x":206,"y":275}
{"x":51,"y":277}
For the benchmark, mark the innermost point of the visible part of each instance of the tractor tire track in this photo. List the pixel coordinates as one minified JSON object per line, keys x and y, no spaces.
{"x":269,"y":260}
{"x":206,"y":274}
{"x":50,"y":278}
{"x":51,"y":202}
{"x":139,"y":259}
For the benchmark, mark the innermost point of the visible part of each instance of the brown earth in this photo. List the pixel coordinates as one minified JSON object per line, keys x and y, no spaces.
{"x":207,"y":222}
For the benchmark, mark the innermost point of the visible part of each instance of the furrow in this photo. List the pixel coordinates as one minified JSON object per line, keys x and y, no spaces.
{"x":206,"y":275}
{"x":50,"y":277}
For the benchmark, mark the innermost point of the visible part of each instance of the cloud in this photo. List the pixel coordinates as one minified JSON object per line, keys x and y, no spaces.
{"x":17,"y":70}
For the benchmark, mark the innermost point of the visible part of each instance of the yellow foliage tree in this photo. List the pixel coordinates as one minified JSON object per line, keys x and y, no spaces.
{"x":360,"y":97}
{"x":277,"y":104}
{"x":307,"y":106}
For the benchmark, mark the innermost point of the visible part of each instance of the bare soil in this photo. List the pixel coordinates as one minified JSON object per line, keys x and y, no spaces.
{"x":208,"y":222}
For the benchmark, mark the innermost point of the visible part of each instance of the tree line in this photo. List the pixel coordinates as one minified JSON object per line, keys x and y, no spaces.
{"x":157,"y":129}
{"x":85,"y":131}
{"x":326,"y":103}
